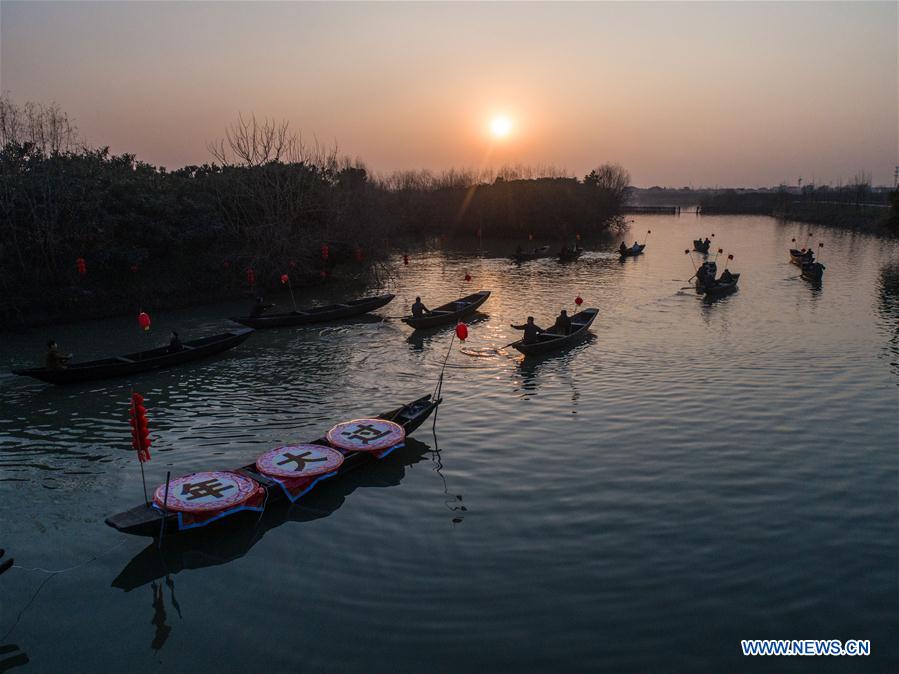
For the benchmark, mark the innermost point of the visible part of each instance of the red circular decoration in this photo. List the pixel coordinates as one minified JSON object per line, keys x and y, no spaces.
{"x":462,"y":331}
{"x":206,"y":491}
{"x":285,"y":279}
{"x":296,"y":461}
{"x":578,"y":300}
{"x":366,"y":435}
{"x":143,"y":320}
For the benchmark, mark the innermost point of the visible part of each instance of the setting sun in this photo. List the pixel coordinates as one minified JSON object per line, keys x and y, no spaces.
{"x":500,"y":127}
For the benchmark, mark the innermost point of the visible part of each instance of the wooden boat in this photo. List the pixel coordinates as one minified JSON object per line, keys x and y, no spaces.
{"x":570,"y":254}
{"x":448,"y":313}
{"x":719,"y":289}
{"x":526,"y":256}
{"x":701,"y":247}
{"x":813,"y":271}
{"x":799,"y":258}
{"x":549,"y":341}
{"x":142,"y":361}
{"x":633,"y":251}
{"x":145,"y":520}
{"x":330,"y":312}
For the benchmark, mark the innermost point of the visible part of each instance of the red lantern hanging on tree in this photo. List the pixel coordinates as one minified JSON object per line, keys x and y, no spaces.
{"x":326,"y":252}
{"x":143,"y":320}
{"x":81,"y":266}
{"x":251,"y":277}
{"x":358,"y":254}
{"x":140,"y":431}
{"x":579,"y":300}
{"x":284,"y":279}
{"x":577,"y":237}
{"x":323,"y":273}
{"x":461,"y":331}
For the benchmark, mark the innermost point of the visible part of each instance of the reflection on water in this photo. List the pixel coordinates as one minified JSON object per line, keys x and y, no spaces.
{"x":693,"y":473}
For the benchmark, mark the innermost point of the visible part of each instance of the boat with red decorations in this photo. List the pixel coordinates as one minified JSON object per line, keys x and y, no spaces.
{"x":282,"y":474}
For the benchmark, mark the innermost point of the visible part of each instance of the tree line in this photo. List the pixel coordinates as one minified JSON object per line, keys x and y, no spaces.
{"x":85,"y":232}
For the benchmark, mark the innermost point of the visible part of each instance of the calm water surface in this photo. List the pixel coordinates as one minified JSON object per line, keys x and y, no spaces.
{"x":693,"y":475}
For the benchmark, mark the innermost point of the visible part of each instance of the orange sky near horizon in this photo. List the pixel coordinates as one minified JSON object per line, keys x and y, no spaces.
{"x":702,"y":94}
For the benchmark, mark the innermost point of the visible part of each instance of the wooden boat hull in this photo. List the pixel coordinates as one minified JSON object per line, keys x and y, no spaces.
{"x":571,"y":256}
{"x":331,"y":312}
{"x":718,"y":290}
{"x":447,"y":314}
{"x":583,"y":320}
{"x":633,"y":252}
{"x":543,"y":251}
{"x":144,"y":520}
{"x":144,"y":361}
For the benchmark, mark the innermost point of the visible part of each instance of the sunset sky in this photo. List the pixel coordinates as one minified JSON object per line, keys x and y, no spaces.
{"x":679,"y":93}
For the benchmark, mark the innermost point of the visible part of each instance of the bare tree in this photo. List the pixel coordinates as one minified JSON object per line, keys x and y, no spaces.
{"x":45,"y":126}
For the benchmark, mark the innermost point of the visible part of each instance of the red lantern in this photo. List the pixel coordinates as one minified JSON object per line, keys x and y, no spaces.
{"x":577,"y":237}
{"x":530,"y":237}
{"x":579,"y":300}
{"x":649,"y":231}
{"x":479,"y":232}
{"x":143,"y":320}
{"x":284,"y":279}
{"x":820,"y":245}
{"x":720,"y":250}
{"x":730,"y":257}
{"x":325,"y":252}
{"x":226,"y":264}
{"x":467,"y":277}
{"x":793,"y":240}
{"x":358,"y":254}
{"x":323,"y":273}
{"x":461,"y":331}
{"x":405,"y":260}
{"x":687,"y":251}
{"x":135,"y":268}
{"x":140,"y":432}
{"x":81,"y":266}
{"x":251,"y":277}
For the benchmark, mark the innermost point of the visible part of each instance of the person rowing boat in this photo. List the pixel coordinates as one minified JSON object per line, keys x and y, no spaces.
{"x":55,"y":360}
{"x":531,"y":330}
{"x":419,"y":309}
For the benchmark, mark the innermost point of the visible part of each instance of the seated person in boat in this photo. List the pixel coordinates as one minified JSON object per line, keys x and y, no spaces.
{"x":419,"y":309}
{"x":55,"y":360}
{"x":707,"y":242}
{"x":726,"y":277}
{"x":622,"y":248}
{"x":259,"y":307}
{"x":531,"y":330}
{"x":635,"y":246}
{"x":175,"y":344}
{"x":562,"y":326}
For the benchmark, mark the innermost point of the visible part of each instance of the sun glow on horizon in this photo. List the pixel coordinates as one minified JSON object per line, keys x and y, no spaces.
{"x":500,"y":126}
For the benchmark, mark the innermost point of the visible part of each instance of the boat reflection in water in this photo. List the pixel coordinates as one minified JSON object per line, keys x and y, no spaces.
{"x":232,"y":540}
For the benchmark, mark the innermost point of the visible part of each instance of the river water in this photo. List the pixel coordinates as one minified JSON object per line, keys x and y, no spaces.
{"x":693,"y":475}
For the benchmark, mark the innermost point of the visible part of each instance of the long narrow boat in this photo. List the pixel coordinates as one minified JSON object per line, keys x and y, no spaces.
{"x":146,"y":519}
{"x":799,"y":258}
{"x":142,"y":361}
{"x":813,"y":271}
{"x":719,"y":289}
{"x":330,"y":312}
{"x":448,"y":313}
{"x":633,"y":251}
{"x":528,"y":255}
{"x":549,"y":341}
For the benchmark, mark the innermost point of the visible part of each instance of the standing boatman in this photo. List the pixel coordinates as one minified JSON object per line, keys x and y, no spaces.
{"x":531,"y":330}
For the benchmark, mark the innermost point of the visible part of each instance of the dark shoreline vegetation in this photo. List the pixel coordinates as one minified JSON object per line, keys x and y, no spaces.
{"x":87,"y":234}
{"x":854,"y":206}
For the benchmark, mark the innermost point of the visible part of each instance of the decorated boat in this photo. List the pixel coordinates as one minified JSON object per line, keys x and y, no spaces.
{"x":142,"y":361}
{"x":330,"y":312}
{"x":282,"y":474}
{"x":449,"y":313}
{"x":570,"y":254}
{"x":701,"y":246}
{"x":813,"y":271}
{"x":549,"y":341}
{"x":801,"y":257}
